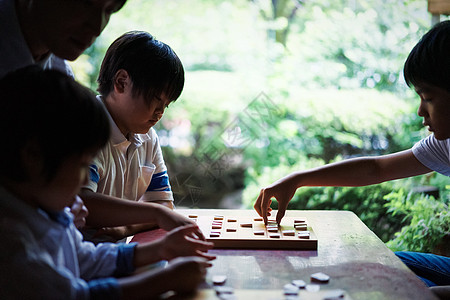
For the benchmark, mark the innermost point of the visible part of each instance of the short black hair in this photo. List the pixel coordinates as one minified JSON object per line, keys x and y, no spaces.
{"x":429,"y":60}
{"x":50,"y":109}
{"x":154,"y":68}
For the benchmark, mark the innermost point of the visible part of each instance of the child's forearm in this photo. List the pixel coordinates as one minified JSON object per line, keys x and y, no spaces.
{"x":362,"y":171}
{"x":108,"y":211}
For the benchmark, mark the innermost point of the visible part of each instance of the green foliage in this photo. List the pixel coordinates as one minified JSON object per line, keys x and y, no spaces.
{"x":427,"y":219}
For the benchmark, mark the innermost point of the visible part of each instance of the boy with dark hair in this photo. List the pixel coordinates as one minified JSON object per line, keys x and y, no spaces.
{"x":139,"y":77}
{"x":427,"y":69}
{"x":43,"y":167}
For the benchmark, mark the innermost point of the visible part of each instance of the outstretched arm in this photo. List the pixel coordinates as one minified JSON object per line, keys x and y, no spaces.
{"x":108,"y":211}
{"x":353,"y":172}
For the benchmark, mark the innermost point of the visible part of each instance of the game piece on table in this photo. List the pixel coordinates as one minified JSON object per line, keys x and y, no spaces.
{"x":320,"y":277}
{"x":299,"y":283}
{"x":214,"y":226}
{"x":290,"y":289}
{"x":288,"y":232}
{"x":334,"y":295}
{"x":303,"y":235}
{"x":214,"y":234}
{"x":193,"y":216}
{"x":218,"y":217}
{"x":299,"y":220}
{"x":258,"y":219}
{"x":272,"y":229}
{"x":301,"y":227}
{"x":224,"y":290}
{"x":219,"y":279}
{"x":274,"y":235}
{"x":259,"y":232}
{"x":231,"y":229}
{"x":247,"y":225}
{"x":232,"y":220}
{"x":227,"y":297}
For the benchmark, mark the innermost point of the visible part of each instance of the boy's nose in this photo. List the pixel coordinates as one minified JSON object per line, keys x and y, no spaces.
{"x":421,"y":111}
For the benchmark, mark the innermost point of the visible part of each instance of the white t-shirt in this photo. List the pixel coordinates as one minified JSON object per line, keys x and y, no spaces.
{"x":434,"y":154}
{"x":132,"y":169}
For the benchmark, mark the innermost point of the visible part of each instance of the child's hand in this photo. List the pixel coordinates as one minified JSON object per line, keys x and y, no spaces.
{"x":282,"y":190}
{"x":179,"y":242}
{"x":169,"y":219}
{"x":187,"y":273}
{"x":79,"y":212}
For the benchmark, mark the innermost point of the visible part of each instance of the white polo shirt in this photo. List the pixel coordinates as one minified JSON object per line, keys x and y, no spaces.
{"x":132,"y":169}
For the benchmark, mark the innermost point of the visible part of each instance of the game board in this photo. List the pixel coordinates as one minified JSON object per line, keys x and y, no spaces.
{"x":249,"y":232}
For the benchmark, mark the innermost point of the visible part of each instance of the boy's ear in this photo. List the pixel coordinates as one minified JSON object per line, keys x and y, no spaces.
{"x":121,"y":81}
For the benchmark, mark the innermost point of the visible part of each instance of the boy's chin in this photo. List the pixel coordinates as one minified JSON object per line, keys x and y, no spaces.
{"x":441,"y":137}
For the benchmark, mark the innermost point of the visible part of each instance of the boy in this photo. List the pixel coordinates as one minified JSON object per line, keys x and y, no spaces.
{"x":43,"y":166}
{"x":427,"y":70}
{"x":139,"y":77}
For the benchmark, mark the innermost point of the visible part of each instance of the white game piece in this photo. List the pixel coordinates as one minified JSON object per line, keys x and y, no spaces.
{"x":272,"y":229}
{"x":259,"y":232}
{"x":334,"y":295}
{"x":299,"y":283}
{"x":231,"y":229}
{"x":232,"y":220}
{"x":213,"y":234}
{"x":247,"y":225}
{"x":219,"y":279}
{"x":215,"y":231}
{"x":274,"y":235}
{"x":303,"y":235}
{"x":320,"y":277}
{"x":288,"y":232}
{"x":312,"y":287}
{"x":224,"y":290}
{"x":301,"y":227}
{"x":258,"y":219}
{"x":218,"y":217}
{"x":290,"y":289}
{"x":300,"y":220}
{"x":216,"y":223}
{"x":216,"y":226}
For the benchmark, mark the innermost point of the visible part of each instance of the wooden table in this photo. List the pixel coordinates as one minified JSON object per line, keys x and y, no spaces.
{"x":357,"y":261}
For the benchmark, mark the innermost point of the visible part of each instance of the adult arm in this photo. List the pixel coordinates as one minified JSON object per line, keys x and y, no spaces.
{"x":353,"y":172}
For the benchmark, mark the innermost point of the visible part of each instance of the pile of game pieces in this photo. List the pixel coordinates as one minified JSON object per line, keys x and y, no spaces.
{"x":291,"y":290}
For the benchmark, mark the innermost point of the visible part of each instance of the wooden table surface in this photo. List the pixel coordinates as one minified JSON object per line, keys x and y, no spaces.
{"x":356,"y":260}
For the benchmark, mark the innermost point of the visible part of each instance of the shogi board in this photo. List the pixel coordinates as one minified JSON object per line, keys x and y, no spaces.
{"x":232,"y":234}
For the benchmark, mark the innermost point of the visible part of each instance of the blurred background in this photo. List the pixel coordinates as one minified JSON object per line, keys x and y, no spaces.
{"x":278,"y":86}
